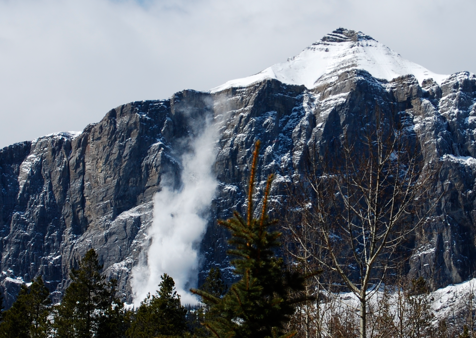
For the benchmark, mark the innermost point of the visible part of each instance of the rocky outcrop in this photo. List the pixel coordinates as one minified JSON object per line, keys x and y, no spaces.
{"x":63,"y":194}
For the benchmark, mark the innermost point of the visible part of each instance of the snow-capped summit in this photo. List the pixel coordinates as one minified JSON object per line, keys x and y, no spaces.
{"x":336,"y":52}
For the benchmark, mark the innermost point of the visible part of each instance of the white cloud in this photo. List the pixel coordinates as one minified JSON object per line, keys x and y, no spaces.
{"x":65,"y":63}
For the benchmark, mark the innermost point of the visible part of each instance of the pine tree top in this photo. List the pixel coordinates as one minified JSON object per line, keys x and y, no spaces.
{"x":260,"y":303}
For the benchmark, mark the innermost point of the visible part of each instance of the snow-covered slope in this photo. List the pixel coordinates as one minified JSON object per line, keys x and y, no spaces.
{"x":338,"y":51}
{"x":451,"y":303}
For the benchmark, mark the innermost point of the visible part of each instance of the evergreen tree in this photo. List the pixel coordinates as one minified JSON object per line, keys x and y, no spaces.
{"x":89,"y":307}
{"x":28,"y":316}
{"x":113,"y":323}
{"x":259,"y":304}
{"x":161,"y":314}
{"x":15,"y":322}
{"x":39,"y":308}
{"x":214,"y":283}
{"x":197,"y":314}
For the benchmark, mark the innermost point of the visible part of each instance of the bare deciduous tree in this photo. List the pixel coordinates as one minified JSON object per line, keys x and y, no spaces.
{"x":360,"y":205}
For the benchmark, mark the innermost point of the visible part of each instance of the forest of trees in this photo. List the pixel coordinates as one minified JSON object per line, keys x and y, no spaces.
{"x":292,"y":281}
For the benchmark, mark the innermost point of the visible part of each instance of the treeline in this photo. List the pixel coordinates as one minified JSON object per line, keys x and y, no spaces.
{"x":90,"y":309}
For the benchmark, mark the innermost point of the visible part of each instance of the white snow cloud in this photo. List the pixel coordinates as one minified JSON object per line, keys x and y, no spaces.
{"x":180,"y":221}
{"x":65,"y":63}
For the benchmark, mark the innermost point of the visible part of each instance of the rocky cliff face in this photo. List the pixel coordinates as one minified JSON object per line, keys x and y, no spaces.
{"x":65,"y":193}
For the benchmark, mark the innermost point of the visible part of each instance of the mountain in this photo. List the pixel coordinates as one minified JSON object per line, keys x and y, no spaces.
{"x":339,"y":51}
{"x":64,"y":193}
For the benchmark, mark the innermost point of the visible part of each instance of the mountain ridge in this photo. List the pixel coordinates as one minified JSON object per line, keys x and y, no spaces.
{"x":63,"y":194}
{"x":338,"y":51}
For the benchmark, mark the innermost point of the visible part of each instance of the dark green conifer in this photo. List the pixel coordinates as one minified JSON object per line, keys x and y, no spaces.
{"x":39,"y":309}
{"x":197,"y":314}
{"x":89,"y":304}
{"x":214,"y":284}
{"x":15,"y":322}
{"x":260,"y":303}
{"x":28,"y":316}
{"x":113,"y":322}
{"x":161,"y":314}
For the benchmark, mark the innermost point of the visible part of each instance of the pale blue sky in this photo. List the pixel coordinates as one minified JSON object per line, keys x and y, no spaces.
{"x":65,"y":63}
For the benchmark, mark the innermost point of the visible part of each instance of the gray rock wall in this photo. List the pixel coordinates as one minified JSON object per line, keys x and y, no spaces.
{"x":63,"y":194}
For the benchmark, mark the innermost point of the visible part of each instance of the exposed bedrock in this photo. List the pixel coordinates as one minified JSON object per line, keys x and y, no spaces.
{"x":63,"y":194}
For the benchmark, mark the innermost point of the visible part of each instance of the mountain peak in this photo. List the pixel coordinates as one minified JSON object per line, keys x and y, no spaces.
{"x":344,"y":35}
{"x":336,"y":52}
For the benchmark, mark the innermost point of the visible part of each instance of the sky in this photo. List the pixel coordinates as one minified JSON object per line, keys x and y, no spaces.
{"x":66,"y":63}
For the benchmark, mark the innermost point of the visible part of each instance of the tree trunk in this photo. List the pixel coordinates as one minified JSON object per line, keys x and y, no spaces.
{"x":363,"y":317}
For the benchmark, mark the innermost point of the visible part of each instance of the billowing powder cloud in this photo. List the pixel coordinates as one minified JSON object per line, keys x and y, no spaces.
{"x":179,"y":224}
